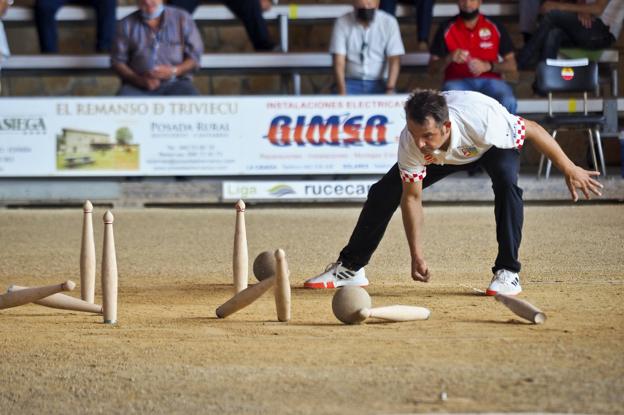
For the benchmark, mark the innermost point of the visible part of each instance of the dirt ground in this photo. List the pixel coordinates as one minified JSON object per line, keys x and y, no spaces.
{"x":170,"y":354}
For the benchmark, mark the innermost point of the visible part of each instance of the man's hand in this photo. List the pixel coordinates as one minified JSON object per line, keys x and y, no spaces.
{"x":579,"y":178}
{"x":477,"y":66}
{"x":586,"y":20}
{"x":265,"y":5}
{"x":459,"y":56}
{"x":151,"y":84}
{"x":162,"y":72}
{"x":420,"y":271}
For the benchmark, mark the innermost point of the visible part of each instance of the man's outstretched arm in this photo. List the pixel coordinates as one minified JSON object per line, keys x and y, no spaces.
{"x":575,"y":176}
{"x":413,"y":219}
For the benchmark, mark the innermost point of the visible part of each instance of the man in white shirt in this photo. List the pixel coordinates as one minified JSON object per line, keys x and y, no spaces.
{"x":366,"y":47}
{"x":448,"y":132}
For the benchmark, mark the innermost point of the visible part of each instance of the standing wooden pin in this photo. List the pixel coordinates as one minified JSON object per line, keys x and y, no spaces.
{"x":240,"y":261}
{"x":522,"y":308}
{"x":282,"y":287}
{"x":109,"y":272}
{"x":28,"y":295}
{"x":87,"y":256}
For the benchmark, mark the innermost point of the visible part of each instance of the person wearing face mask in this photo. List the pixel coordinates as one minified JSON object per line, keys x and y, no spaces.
{"x":475,"y":52}
{"x":156,"y":50}
{"x":105,"y":16}
{"x":366,"y":47}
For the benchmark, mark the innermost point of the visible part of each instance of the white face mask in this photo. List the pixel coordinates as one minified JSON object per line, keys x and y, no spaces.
{"x":155,"y":15}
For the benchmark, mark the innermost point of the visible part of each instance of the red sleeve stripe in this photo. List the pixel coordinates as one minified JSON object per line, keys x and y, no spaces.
{"x":520,"y":132}
{"x":412,"y":177}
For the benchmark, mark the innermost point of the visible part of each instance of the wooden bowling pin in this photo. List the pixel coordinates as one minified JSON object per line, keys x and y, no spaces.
{"x":63,"y":302}
{"x":282,"y":287}
{"x":240,"y":263}
{"x":522,"y":308}
{"x":29,"y":295}
{"x":396,"y":313}
{"x":87,"y":256}
{"x":245,"y":297}
{"x":109,"y":272}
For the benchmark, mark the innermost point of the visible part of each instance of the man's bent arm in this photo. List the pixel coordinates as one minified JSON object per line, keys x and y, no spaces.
{"x":394,"y":66}
{"x":128,"y":75}
{"x":575,"y":176}
{"x":413,"y":220}
{"x":340,"y":63}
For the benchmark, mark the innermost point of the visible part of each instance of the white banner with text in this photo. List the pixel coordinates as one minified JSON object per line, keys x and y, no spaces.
{"x":199,"y":136}
{"x":300,"y":190}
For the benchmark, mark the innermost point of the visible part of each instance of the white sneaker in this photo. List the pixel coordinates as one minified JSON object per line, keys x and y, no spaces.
{"x":504,"y":282}
{"x":335,"y":276}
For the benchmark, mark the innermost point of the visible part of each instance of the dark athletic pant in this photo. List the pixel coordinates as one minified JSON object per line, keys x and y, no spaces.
{"x":384,"y":197}
{"x":105,"y":18}
{"x":248,"y":11}
{"x":558,"y":29}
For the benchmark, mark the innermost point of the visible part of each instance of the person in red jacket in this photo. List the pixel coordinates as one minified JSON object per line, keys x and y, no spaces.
{"x":475,"y":52}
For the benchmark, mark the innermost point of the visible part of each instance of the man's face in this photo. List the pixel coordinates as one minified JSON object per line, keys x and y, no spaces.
{"x":469,"y":5}
{"x":149,"y":6}
{"x":365,"y":4}
{"x":429,"y":136}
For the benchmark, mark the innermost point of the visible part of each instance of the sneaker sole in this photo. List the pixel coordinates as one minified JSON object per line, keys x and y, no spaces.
{"x":328,"y":285}
{"x":492,"y":292}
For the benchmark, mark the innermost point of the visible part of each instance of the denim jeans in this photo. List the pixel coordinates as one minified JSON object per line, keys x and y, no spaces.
{"x":495,"y":88}
{"x":558,"y":29}
{"x":384,"y":197}
{"x":105,"y":17}
{"x":248,"y":12}
{"x":424,"y":14}
{"x":364,"y":87}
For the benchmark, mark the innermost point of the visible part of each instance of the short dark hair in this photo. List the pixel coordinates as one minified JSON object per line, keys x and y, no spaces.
{"x":423,"y":103}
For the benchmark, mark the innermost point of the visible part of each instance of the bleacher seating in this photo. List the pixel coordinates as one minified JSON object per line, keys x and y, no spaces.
{"x":292,"y":11}
{"x":286,"y":64}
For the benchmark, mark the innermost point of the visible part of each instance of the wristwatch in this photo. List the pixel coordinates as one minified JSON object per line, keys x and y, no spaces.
{"x":174,"y":71}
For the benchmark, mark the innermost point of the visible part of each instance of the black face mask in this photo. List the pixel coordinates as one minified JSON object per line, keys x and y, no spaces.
{"x":469,"y":15}
{"x":365,"y":15}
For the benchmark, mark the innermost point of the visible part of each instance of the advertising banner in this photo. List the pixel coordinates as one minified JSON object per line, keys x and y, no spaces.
{"x":300,"y":190}
{"x":199,"y":136}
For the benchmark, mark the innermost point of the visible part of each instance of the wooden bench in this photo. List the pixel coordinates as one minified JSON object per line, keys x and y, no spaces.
{"x":283,"y":14}
{"x":292,"y":64}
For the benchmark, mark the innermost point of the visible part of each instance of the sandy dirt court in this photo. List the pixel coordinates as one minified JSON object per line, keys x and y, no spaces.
{"x":170,"y":354}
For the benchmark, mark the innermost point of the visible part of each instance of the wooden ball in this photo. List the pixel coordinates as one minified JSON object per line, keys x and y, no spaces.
{"x":264,"y":266}
{"x":347,"y":303}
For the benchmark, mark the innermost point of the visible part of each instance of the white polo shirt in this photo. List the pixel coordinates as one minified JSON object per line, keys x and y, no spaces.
{"x":478,"y":122}
{"x":366,"y":48}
